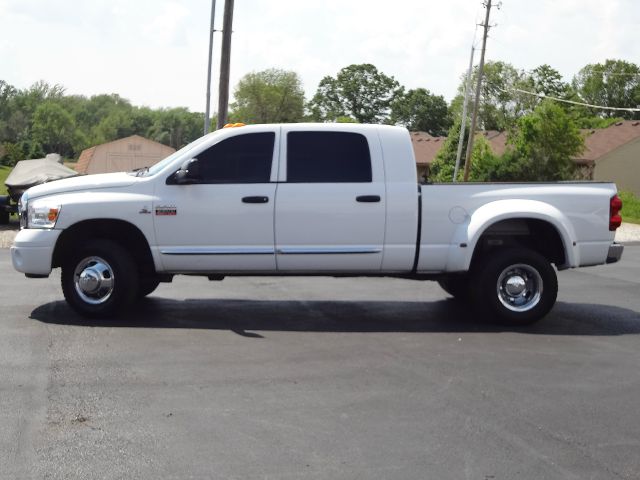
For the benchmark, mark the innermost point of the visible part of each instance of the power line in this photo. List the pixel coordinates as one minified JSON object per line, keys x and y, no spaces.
{"x":616,"y":74}
{"x":542,"y":95}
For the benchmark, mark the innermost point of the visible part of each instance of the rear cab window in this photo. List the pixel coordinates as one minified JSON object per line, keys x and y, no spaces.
{"x":328,"y":157}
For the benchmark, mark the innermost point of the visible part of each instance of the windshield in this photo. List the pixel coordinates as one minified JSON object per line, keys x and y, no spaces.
{"x":163,"y":163}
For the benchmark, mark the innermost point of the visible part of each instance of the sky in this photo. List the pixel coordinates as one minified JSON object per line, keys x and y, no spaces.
{"x":154,"y":52}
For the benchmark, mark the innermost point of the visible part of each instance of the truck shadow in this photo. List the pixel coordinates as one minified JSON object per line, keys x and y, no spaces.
{"x":247,"y":316}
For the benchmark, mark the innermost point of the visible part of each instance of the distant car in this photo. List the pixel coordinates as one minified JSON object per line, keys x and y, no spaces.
{"x":28,"y":173}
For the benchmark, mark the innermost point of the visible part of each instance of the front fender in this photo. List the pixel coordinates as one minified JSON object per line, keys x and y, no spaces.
{"x":467,"y":235}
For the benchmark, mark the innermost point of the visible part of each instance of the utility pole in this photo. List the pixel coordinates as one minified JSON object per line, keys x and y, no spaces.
{"x":463,"y":121}
{"x":225,"y":64}
{"x":476,"y":102}
{"x":207,"y":115}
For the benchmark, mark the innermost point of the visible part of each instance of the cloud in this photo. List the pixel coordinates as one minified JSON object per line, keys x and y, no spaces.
{"x":154,"y":52}
{"x":168,"y":27}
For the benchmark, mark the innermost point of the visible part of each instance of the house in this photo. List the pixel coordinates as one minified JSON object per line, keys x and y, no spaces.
{"x":425,"y":149}
{"x":611,"y":154}
{"x":122,"y":155}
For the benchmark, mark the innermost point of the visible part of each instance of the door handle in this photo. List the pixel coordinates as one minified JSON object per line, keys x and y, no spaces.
{"x":368,"y":198}
{"x":255,"y":199}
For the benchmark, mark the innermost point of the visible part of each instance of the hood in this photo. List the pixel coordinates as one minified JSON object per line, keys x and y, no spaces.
{"x":85,"y":182}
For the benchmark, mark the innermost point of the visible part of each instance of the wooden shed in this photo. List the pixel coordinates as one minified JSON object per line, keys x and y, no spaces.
{"x":122,"y":155}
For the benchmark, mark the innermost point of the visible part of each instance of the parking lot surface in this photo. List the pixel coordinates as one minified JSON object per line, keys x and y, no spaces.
{"x":267,"y":378}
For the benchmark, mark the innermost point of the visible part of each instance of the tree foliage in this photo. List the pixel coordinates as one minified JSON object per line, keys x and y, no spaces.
{"x":540,"y":147}
{"x":360,"y":92}
{"x":420,"y":110}
{"x":483,"y":160}
{"x":614,"y":83}
{"x":543,"y":145}
{"x":503,"y":100}
{"x":52,"y":130}
{"x":543,"y":135}
{"x":42,"y":119}
{"x":270,"y":96}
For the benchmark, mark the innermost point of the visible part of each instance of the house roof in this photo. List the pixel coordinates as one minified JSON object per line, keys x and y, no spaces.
{"x":497,"y":140}
{"x":598,"y":142}
{"x":426,"y":147}
{"x":85,"y":158}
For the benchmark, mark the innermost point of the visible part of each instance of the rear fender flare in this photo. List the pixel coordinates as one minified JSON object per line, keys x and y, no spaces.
{"x":468,"y":234}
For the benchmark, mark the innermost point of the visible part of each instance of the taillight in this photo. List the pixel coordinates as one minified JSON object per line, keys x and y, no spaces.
{"x":615,"y":220}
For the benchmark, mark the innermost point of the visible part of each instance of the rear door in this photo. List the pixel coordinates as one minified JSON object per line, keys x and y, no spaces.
{"x":330,"y":203}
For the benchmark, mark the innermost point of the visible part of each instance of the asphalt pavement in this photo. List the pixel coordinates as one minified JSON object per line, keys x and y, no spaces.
{"x":266,"y":378}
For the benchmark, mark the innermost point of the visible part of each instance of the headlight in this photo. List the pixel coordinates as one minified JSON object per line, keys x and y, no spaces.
{"x":42,"y":214}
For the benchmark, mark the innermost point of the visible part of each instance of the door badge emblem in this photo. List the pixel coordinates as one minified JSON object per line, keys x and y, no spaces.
{"x":165,"y":210}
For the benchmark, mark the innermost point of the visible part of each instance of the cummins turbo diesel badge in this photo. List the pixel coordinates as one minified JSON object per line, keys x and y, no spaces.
{"x":166,"y":210}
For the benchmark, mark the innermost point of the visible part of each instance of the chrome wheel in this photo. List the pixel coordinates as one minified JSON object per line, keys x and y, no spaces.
{"x":94,"y":280}
{"x":519,"y":287}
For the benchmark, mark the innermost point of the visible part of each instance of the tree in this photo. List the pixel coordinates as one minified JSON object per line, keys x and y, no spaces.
{"x":7,"y":100}
{"x":483,"y":160}
{"x":503,"y":98}
{"x":616,"y":83}
{"x":543,"y":145}
{"x":360,"y":92}
{"x":52,"y":131}
{"x":176,"y":127}
{"x":499,"y":105}
{"x":543,"y":80}
{"x":270,"y":96}
{"x":420,"y":110}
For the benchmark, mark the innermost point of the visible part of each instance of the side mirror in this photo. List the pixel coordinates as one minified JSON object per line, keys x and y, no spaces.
{"x":189,"y":173}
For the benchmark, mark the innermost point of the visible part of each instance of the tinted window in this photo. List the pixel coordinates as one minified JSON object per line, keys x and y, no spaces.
{"x":327,"y":157}
{"x":240,"y":159}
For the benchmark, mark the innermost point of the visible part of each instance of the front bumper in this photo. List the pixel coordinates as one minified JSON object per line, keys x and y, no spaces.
{"x":32,"y":251}
{"x":615,"y":252}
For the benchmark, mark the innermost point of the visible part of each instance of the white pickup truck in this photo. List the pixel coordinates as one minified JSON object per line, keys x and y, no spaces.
{"x":312,"y":199}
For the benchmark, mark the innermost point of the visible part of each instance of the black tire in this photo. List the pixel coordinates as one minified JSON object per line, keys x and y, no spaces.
{"x":458,"y":286}
{"x":147,"y":286}
{"x":517,"y":286}
{"x":100,"y":279}
{"x":5,"y":201}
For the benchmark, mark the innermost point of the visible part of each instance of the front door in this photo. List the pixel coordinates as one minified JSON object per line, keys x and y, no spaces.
{"x":224,"y":222}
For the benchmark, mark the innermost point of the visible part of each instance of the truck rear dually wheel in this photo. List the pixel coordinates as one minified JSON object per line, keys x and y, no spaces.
{"x":517,"y":286}
{"x":100,"y":279}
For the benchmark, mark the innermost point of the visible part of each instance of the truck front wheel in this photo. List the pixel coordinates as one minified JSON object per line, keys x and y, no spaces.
{"x":147,"y":286}
{"x":99,"y":279}
{"x":516,"y":286}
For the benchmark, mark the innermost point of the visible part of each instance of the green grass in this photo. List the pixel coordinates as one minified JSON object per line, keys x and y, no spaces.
{"x":4,"y":173}
{"x":630,"y":207}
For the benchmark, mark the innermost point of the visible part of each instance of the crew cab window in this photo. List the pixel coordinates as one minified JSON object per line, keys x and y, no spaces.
{"x":241,"y":159}
{"x":321,"y":157}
